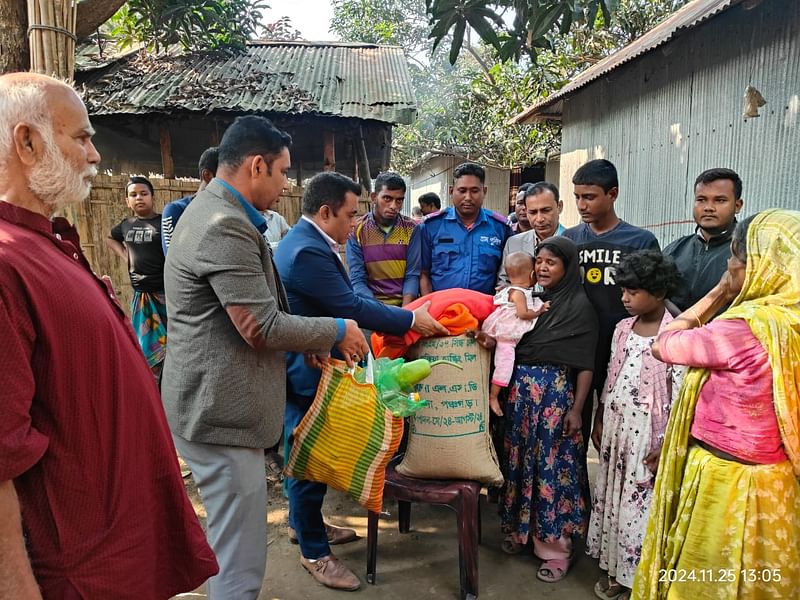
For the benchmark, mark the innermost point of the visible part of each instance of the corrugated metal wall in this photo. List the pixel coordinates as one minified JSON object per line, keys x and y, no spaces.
{"x":436,"y":175}
{"x":678,"y":111}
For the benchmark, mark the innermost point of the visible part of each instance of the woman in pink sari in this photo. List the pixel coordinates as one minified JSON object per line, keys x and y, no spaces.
{"x":725,"y":518}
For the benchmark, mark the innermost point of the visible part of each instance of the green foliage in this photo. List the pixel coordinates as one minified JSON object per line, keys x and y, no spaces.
{"x":536,"y":23}
{"x":282,"y":30}
{"x":191,"y":24}
{"x":390,"y":22}
{"x":466,"y":104}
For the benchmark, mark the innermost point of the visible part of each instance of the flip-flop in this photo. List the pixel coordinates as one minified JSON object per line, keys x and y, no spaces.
{"x":553,"y":570}
{"x":510,"y":546}
{"x":606,"y":590}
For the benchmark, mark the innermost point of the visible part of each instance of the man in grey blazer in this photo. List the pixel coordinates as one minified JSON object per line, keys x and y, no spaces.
{"x":224,"y":380}
{"x":544,"y":208}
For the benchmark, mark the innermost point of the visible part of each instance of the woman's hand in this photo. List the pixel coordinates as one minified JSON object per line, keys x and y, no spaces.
{"x":572,"y":422}
{"x":728,"y":287}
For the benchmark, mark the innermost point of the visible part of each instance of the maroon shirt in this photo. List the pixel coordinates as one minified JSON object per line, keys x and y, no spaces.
{"x":82,"y":430}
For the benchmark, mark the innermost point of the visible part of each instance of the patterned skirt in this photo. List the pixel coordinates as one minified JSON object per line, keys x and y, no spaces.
{"x":544,"y":472}
{"x":149,"y":319}
{"x":736,"y":534}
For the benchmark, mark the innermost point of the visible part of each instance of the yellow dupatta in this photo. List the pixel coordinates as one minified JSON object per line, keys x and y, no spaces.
{"x":770,"y":304}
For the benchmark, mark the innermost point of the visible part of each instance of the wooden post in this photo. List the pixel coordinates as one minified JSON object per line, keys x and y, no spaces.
{"x":329,"y":151}
{"x":355,"y":160}
{"x":299,"y":174}
{"x":364,"y":175}
{"x":386,"y":157}
{"x":167,"y":165}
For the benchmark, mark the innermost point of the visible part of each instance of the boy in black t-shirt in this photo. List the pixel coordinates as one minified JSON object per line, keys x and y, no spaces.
{"x":603,"y":240}
{"x":137,"y":239}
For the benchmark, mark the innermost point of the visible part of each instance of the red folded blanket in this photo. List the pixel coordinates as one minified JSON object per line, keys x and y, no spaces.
{"x":457,"y":309}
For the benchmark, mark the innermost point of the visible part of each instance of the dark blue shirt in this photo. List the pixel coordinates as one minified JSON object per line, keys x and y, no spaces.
{"x":169,"y":218}
{"x":599,"y":255}
{"x":456,"y":257}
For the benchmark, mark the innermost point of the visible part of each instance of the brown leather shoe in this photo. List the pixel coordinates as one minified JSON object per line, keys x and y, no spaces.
{"x":339,"y":535}
{"x":336,"y":535}
{"x":331,"y":572}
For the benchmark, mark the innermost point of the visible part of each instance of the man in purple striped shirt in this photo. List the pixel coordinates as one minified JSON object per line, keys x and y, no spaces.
{"x":383,"y":252}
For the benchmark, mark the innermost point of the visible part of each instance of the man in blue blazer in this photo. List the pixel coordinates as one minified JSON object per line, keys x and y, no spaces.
{"x":316,"y":282}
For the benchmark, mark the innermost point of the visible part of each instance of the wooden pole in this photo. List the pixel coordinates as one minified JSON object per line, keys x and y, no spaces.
{"x":47,"y":36}
{"x":329,"y":151}
{"x":364,"y":174}
{"x":167,"y":165}
{"x":355,"y":159}
{"x":387,"y":149}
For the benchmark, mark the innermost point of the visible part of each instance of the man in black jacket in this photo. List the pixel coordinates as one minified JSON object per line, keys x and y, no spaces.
{"x":702,"y":256}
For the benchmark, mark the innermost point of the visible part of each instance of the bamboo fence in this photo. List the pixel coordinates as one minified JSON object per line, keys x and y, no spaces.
{"x":51,"y":37}
{"x":106,"y":207}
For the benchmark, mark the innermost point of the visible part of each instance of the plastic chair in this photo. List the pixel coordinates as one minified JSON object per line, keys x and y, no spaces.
{"x":460,"y":495}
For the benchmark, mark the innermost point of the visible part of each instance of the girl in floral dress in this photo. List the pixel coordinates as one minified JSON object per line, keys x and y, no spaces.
{"x":630,"y":422}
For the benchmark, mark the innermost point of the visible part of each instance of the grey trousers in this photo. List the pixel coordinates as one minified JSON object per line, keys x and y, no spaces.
{"x":233,"y":487}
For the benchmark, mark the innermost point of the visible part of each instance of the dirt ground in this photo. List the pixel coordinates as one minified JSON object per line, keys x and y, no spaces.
{"x":419,"y":565}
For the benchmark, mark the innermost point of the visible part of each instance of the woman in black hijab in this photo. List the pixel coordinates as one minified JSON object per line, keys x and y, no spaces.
{"x":545,"y":476}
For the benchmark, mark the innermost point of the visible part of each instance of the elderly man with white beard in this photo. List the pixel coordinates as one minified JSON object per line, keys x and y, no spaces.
{"x":92,"y":504}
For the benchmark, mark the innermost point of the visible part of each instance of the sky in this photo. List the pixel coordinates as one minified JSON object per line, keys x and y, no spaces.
{"x":310,"y":17}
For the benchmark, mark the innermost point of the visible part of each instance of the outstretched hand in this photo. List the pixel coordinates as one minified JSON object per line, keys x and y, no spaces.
{"x":425,"y":324}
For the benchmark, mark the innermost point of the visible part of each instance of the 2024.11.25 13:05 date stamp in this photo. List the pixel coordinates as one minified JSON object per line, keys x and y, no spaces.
{"x":718,"y":575}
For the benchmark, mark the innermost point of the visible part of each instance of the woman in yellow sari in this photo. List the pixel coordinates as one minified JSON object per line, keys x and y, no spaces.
{"x":725,"y":518}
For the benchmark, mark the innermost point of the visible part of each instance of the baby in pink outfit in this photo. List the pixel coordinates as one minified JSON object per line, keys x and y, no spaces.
{"x":515,"y":314}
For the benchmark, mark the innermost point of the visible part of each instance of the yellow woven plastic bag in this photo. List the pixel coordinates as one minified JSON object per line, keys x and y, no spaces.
{"x":346,"y":438}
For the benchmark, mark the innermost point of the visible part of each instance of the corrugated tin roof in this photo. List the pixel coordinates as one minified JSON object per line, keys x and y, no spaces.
{"x":365,"y":81}
{"x":687,"y":17}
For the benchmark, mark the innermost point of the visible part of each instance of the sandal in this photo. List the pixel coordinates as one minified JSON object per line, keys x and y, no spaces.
{"x":607,"y":588}
{"x":273,"y":464}
{"x":553,"y":570}
{"x":511,"y":546}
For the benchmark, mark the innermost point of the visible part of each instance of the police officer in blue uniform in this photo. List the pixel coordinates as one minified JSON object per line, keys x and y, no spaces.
{"x":462,"y":245}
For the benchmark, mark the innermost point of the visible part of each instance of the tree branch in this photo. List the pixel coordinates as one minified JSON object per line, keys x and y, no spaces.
{"x":93,"y":13}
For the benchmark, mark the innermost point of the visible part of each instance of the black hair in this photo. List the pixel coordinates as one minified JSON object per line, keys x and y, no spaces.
{"x":524,"y":187}
{"x":327,"y":188}
{"x":469,"y":168}
{"x":712,"y":175}
{"x":545,"y":245}
{"x":739,"y":238}
{"x":430,"y":198}
{"x":651,"y":271}
{"x":599,"y":172}
{"x":209,"y":160}
{"x":142,"y":180}
{"x":390,"y":181}
{"x":251,"y":135}
{"x":542,"y":186}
